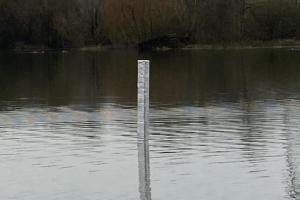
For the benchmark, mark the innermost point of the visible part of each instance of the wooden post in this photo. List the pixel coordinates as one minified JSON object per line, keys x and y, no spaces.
{"x":143,"y":122}
{"x":143,"y":98}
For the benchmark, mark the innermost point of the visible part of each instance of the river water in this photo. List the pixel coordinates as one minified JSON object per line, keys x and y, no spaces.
{"x":224,"y":124}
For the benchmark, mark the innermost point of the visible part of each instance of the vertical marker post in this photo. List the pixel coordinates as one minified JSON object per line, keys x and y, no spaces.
{"x":143,"y":98}
{"x":143,"y":125}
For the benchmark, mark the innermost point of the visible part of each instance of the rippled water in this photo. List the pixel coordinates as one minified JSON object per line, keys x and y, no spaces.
{"x":223,"y":124}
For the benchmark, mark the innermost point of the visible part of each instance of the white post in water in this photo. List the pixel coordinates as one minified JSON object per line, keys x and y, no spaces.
{"x":143,"y":98}
{"x":142,"y":120}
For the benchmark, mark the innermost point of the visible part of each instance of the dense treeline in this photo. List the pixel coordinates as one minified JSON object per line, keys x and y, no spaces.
{"x":69,"y":23}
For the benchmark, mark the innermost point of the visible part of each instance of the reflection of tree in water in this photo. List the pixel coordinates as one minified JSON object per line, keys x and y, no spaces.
{"x":250,"y":137}
{"x":290,"y":119}
{"x":293,"y":175}
{"x":249,"y":118}
{"x":292,"y":154}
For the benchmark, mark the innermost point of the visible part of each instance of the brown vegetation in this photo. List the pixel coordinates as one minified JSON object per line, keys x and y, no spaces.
{"x":71,"y":23}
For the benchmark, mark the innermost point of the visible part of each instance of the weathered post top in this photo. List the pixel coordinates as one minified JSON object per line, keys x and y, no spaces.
{"x":143,"y":98}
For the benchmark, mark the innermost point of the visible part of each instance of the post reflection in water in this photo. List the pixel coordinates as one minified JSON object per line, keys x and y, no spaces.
{"x":144,"y":169}
{"x":292,"y":152}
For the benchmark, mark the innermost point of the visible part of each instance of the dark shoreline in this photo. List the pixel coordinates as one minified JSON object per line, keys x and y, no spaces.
{"x":278,"y":44}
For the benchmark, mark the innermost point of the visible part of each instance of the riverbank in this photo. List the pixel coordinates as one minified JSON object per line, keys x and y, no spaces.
{"x":276,"y":44}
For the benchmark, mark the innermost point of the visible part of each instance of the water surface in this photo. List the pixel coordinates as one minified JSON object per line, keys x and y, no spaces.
{"x":223,"y":124}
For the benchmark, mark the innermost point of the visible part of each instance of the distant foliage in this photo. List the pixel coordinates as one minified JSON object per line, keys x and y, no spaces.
{"x":71,"y":23}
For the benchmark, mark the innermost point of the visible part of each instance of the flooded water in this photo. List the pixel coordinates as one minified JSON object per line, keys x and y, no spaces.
{"x":223,"y":125}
